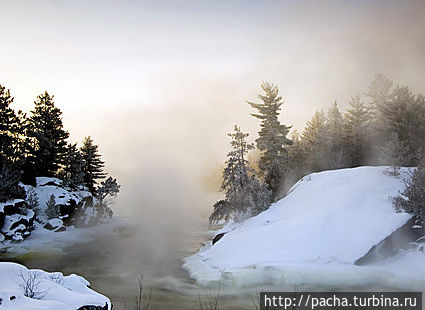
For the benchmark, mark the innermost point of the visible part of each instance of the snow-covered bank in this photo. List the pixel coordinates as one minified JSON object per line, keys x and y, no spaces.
{"x":22,"y":288}
{"x":313,"y":235}
{"x":72,"y":209}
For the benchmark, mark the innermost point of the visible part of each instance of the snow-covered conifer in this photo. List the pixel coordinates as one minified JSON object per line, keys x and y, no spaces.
{"x":47,"y":148}
{"x":52,"y":209}
{"x":245,"y":195}
{"x":272,"y":137}
{"x":92,"y":164}
{"x":72,"y":172}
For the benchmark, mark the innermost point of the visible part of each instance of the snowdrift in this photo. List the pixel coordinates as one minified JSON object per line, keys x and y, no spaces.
{"x":326,"y":222}
{"x":50,"y":290}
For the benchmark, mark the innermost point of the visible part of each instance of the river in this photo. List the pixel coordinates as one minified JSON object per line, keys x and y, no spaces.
{"x":112,"y":259}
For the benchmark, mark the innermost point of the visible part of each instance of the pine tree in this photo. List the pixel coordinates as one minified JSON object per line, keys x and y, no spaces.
{"x":72,"y":172}
{"x":357,"y":121}
{"x":391,"y":154}
{"x":110,"y":187}
{"x":10,"y":128}
{"x":51,"y":209}
{"x":297,"y":157}
{"x":272,"y":137}
{"x":336,"y":153}
{"x":378,"y":93}
{"x":245,"y":195}
{"x":9,"y":183}
{"x":404,"y":116}
{"x":314,"y":143}
{"x":412,"y":199}
{"x":48,"y":147}
{"x":92,"y":164}
{"x":32,"y":201}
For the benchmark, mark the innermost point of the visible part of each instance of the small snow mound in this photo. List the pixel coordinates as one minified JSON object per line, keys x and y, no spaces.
{"x":50,"y":291}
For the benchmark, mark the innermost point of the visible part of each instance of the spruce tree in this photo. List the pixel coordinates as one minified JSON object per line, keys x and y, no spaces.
{"x":72,"y":172}
{"x":245,"y":195}
{"x":48,"y":147}
{"x":272,"y":137}
{"x":10,"y":128}
{"x":92,"y":164}
{"x":51,"y":208}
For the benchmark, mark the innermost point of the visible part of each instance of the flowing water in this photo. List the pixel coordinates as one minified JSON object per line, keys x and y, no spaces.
{"x":112,"y":259}
{"x":113,"y":256}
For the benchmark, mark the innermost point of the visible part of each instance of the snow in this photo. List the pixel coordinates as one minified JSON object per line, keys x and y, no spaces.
{"x":326,"y":222}
{"x":62,"y":195}
{"x":54,"y":290}
{"x":55,"y":222}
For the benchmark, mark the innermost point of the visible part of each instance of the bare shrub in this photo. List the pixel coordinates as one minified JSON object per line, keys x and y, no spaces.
{"x":211,"y":301}
{"x":143,"y":298}
{"x":31,"y":283}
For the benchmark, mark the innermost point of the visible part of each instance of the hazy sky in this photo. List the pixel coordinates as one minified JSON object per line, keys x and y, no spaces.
{"x":167,"y":79}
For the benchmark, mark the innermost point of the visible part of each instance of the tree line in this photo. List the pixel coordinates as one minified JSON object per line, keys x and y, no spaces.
{"x":37,"y":145}
{"x":385,"y":126}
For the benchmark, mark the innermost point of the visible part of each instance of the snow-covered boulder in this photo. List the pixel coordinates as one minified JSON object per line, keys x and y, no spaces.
{"x":22,"y":288}
{"x":76,"y":207}
{"x":55,"y":224}
{"x":328,"y":218}
{"x":16,"y":222}
{"x":73,"y":208}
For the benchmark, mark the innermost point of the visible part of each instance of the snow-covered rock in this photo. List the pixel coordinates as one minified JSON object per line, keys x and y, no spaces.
{"x":76,"y":208}
{"x":55,"y":224}
{"x":16,"y":222}
{"x":328,"y":219}
{"x":49,"y":290}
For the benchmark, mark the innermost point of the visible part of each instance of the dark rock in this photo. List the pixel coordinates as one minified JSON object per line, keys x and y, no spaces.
{"x":22,"y":221}
{"x":68,"y":209}
{"x":400,"y":239}
{"x":1,"y":220}
{"x":12,"y":297}
{"x":11,"y":209}
{"x":89,"y":307}
{"x":51,"y":183}
{"x":217,"y":238}
{"x":59,"y":229}
{"x":88,"y":201}
{"x":21,"y":204}
{"x":49,"y":227}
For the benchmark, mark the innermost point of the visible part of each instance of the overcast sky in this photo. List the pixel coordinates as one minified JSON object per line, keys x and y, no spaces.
{"x":152,"y":77}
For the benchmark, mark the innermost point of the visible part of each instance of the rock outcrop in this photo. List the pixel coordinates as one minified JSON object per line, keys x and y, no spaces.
{"x":407,"y":236}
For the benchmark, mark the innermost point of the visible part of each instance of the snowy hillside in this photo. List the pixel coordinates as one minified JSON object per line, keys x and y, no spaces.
{"x":328,"y":220}
{"x":22,"y":288}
